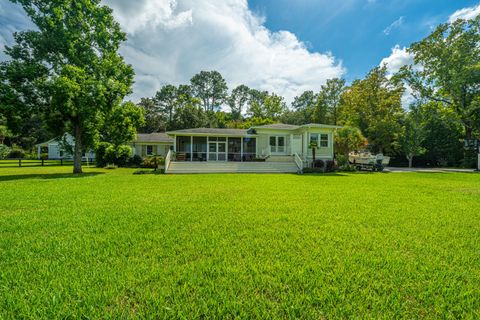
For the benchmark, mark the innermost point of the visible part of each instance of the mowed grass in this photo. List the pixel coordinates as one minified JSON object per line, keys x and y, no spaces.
{"x":111,"y":244}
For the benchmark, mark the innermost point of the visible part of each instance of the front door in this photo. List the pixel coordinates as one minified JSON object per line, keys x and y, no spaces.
{"x":217,"y":151}
{"x":278,"y":145}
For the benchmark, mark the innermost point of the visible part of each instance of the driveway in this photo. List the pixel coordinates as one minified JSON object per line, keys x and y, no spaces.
{"x":429,"y":170}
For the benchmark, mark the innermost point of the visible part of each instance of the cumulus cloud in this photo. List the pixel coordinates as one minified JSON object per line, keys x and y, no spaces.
{"x":465,"y":14}
{"x":394,"y":25}
{"x":182,"y":37}
{"x":398,"y":58}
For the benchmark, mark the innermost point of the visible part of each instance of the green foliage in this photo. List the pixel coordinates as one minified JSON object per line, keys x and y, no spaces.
{"x":348,"y":139}
{"x":210,"y":88}
{"x":328,"y":101}
{"x":374,"y":106}
{"x":120,"y":124}
{"x":4,"y":151}
{"x":117,"y":155}
{"x":238,"y":101}
{"x":70,"y":69}
{"x":153,"y":162}
{"x":154,"y":120}
{"x":414,"y":135}
{"x":450,"y":70}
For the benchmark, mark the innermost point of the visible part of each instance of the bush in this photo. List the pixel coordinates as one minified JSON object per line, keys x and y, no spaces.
{"x":44,"y":156}
{"x":100,"y":154}
{"x":318,"y":164}
{"x":342,"y":160}
{"x":153,"y":162}
{"x":16,"y":153}
{"x":347,"y":168}
{"x":135,"y":161}
{"x":4,"y":151}
{"x":106,"y":153}
{"x":330,"y":166}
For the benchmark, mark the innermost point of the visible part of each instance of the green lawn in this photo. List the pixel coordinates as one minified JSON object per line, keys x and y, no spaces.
{"x":111,"y":244}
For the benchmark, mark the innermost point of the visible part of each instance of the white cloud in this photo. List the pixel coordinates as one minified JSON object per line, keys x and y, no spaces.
{"x":395,"y":24}
{"x":398,"y":58}
{"x":171,"y":40}
{"x":465,"y":14}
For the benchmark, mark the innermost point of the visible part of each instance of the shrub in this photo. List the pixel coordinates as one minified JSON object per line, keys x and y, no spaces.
{"x":347,"y":167}
{"x":342,"y":160}
{"x":135,"y":161}
{"x":106,"y":153}
{"x":100,"y":153}
{"x":319,"y":164}
{"x":153,"y":162}
{"x":44,"y":156}
{"x":16,"y":153}
{"x":4,"y":151}
{"x":330,"y":166}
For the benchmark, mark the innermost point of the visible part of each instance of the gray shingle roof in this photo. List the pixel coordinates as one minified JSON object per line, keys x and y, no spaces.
{"x":153,"y":137}
{"x":226,"y":132}
{"x":280,"y":126}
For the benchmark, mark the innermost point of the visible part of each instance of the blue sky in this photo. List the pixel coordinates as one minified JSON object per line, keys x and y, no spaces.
{"x":356,"y":31}
{"x":282,"y":46}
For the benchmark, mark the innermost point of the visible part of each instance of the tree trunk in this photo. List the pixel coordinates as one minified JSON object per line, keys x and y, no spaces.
{"x":410,"y":161}
{"x":77,"y":154}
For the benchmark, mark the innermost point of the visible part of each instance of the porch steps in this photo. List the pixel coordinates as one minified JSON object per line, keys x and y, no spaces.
{"x":232,"y":167}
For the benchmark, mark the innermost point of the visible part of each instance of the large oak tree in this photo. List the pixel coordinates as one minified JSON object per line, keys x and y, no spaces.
{"x":68,"y":69}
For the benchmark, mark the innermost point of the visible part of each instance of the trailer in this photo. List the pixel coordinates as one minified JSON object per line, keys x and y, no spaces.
{"x":364,"y":160}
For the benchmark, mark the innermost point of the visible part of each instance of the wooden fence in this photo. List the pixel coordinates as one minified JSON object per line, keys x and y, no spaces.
{"x":9,"y":163}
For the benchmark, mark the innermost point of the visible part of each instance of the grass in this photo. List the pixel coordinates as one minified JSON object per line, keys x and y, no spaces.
{"x":111,"y":244}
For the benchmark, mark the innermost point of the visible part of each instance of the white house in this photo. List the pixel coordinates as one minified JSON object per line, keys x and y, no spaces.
{"x":151,"y":144}
{"x":56,"y":148}
{"x":268,"y":148}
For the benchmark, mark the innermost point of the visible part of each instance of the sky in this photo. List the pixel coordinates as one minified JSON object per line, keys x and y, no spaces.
{"x":284,"y":46}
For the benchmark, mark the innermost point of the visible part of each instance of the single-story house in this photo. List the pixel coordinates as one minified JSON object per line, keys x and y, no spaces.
{"x":152,"y":144}
{"x":279,"y":145}
{"x":56,"y":148}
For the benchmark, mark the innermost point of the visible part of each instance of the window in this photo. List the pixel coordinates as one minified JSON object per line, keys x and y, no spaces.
{"x":321,"y":140}
{"x":149,"y":150}
{"x":277,"y":144}
{"x":324,"y":140}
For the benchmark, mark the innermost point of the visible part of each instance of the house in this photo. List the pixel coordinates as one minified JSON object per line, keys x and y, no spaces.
{"x":268,"y":148}
{"x":151,"y":144}
{"x":59,"y":148}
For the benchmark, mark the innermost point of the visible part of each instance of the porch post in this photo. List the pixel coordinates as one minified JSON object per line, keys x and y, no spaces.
{"x":38,"y":151}
{"x":191,"y":148}
{"x":241,"y":149}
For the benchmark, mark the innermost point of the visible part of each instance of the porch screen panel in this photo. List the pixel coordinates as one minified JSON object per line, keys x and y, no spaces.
{"x":183,"y":146}
{"x":199,"y":148}
{"x":249,"y":149}
{"x":234,"y":149}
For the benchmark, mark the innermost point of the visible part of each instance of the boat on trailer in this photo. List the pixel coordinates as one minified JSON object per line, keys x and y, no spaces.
{"x":365,"y":160}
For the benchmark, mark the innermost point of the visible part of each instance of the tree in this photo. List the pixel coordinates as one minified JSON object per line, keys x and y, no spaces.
{"x":349,"y":139}
{"x":374,"y":106}
{"x":443,"y":135}
{"x":328,"y":101}
{"x":154,"y":121}
{"x":121,"y":124}
{"x":238,"y":101}
{"x":413,"y":136}
{"x":211,"y":88}
{"x":71,"y":66}
{"x":450,"y":69}
{"x":166,"y":100}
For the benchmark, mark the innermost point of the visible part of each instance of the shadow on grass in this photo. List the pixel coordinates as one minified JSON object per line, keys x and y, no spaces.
{"x":49,"y":176}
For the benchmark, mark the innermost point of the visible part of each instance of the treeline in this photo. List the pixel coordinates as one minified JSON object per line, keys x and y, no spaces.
{"x":50,"y":87}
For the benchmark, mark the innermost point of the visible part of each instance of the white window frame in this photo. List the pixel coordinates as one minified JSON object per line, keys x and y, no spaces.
{"x":321,"y":139}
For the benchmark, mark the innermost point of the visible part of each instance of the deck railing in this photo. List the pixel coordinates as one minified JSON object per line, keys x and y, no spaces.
{"x":298,"y":161}
{"x":168,"y":159}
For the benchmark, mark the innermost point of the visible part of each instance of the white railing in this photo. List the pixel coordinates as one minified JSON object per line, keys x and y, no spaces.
{"x":168,"y":159}
{"x":298,"y":161}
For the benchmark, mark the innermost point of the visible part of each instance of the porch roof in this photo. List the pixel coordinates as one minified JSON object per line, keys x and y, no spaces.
{"x":210,"y":132}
